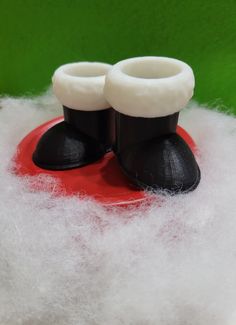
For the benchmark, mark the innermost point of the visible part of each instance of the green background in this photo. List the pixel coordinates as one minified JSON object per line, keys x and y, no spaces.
{"x":36,"y":36}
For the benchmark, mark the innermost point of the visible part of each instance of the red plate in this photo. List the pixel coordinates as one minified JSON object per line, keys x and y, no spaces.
{"x":102,"y":180}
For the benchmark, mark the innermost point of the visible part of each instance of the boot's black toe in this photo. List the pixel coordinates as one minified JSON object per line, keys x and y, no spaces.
{"x":165,"y":163}
{"x":64,"y":147}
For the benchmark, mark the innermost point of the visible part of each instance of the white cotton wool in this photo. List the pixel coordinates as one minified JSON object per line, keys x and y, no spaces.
{"x":71,"y":262}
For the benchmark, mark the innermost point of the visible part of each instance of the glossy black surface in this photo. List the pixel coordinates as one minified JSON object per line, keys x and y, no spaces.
{"x":131,"y":130}
{"x":153,"y":155}
{"x":81,"y":139}
{"x":98,"y":125}
{"x":63,"y":147}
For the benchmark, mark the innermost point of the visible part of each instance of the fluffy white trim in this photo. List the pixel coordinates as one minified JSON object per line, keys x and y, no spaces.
{"x":80,"y":85}
{"x":149,"y":86}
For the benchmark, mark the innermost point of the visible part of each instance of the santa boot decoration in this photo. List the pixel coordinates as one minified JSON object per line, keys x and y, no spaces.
{"x":147,"y":94}
{"x":86,"y":133}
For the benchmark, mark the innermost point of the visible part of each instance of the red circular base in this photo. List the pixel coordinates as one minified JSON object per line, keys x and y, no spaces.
{"x":102,"y":180}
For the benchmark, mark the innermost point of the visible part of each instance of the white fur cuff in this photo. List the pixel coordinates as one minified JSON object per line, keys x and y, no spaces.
{"x":149,"y":86}
{"x":80,"y":85}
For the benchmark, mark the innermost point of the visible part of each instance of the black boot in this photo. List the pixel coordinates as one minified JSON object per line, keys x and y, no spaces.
{"x":86,"y":133}
{"x":147,"y":94}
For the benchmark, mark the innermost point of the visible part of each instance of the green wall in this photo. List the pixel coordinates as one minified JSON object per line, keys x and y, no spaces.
{"x":36,"y":36}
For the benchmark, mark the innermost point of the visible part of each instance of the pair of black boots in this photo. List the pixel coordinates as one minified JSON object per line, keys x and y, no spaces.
{"x":131,"y":108}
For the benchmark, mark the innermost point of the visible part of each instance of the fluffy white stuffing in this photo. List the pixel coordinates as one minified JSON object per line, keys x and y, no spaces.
{"x":71,"y":262}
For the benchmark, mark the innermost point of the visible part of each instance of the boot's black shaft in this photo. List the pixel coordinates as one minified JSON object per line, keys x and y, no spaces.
{"x":132,"y":130}
{"x":153,"y":155}
{"x":82,"y":138}
{"x":98,"y":125}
